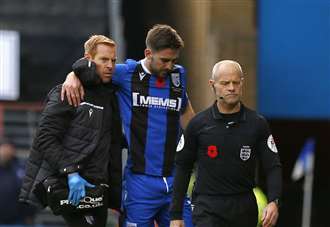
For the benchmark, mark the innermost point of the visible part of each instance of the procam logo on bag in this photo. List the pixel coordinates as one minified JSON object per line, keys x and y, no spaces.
{"x":86,"y":203}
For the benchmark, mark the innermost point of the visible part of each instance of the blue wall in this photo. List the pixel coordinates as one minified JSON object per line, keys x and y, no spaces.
{"x":294,"y":58}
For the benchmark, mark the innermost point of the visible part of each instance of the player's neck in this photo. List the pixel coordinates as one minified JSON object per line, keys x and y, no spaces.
{"x":226,"y":108}
{"x":146,"y":64}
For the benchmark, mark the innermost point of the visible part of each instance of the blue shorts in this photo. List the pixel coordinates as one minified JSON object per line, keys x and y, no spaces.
{"x":147,"y":200}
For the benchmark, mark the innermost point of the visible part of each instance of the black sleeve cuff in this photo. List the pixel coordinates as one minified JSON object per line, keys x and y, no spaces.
{"x":176,"y":215}
{"x":274,"y":183}
{"x":70,"y":169}
{"x":277,"y":202}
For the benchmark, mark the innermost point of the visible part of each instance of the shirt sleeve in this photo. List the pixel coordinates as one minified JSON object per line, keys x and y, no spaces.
{"x":184,"y":164}
{"x":118,"y":76}
{"x":270,"y":161}
{"x":185,"y":97}
{"x":85,"y":70}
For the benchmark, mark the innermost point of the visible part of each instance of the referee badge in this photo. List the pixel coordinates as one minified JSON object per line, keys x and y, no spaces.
{"x":245,"y":153}
{"x":180,"y":144}
{"x":175,"y":77}
{"x":271,"y":144}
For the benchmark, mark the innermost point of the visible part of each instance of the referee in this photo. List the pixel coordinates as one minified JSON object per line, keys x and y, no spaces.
{"x":226,"y":140}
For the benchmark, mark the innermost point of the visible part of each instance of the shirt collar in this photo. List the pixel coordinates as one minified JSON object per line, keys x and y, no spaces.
{"x":143,"y":64}
{"x":218,"y":116}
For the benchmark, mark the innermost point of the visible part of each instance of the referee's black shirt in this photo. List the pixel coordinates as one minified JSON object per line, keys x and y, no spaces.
{"x":226,"y":148}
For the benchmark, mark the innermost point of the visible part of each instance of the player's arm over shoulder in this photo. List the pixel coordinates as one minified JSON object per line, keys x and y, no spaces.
{"x":123,"y":70}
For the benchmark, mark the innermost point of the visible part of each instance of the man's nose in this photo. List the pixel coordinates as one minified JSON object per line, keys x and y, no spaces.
{"x":231,"y":86}
{"x":110,"y":65}
{"x":169,"y":65}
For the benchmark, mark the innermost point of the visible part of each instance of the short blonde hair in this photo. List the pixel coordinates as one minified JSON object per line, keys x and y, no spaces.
{"x":91,"y":44}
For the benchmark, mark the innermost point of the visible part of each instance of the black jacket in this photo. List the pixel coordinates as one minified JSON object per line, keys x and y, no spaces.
{"x":67,"y":138}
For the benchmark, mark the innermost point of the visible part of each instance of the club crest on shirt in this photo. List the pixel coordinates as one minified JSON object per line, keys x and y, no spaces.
{"x":245,"y":153}
{"x":271,"y":144}
{"x":175,"y":77}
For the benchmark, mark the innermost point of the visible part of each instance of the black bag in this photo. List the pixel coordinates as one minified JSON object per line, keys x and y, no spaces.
{"x":57,"y":192}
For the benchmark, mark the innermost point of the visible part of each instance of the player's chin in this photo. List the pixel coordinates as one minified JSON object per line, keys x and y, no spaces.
{"x":232,"y":101}
{"x":164,"y":73}
{"x":106,"y":79}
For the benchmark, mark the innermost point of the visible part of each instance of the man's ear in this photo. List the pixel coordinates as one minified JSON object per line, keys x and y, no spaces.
{"x":148,"y":53}
{"x":88,"y":56}
{"x":211,"y":84}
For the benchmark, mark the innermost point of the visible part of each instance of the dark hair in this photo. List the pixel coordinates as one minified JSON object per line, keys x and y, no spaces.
{"x":163,"y":36}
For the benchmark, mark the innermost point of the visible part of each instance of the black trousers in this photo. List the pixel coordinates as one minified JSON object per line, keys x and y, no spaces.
{"x":225,"y":211}
{"x":95,"y":218}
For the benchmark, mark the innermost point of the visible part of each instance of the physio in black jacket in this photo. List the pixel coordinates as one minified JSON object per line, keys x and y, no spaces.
{"x":80,"y":144}
{"x":226,"y":140}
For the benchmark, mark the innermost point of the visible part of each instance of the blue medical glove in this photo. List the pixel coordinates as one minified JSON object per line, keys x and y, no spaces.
{"x":77,"y":186}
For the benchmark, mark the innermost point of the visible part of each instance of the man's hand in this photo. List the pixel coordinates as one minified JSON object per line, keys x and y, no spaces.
{"x":187,"y":115}
{"x":270,"y":215}
{"x":77,"y":186}
{"x":177,"y":223}
{"x":73,"y":90}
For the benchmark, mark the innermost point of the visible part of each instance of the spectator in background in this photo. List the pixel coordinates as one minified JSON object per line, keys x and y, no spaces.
{"x":11,"y":174}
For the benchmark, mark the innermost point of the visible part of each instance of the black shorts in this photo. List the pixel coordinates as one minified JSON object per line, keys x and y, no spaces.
{"x":225,"y":211}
